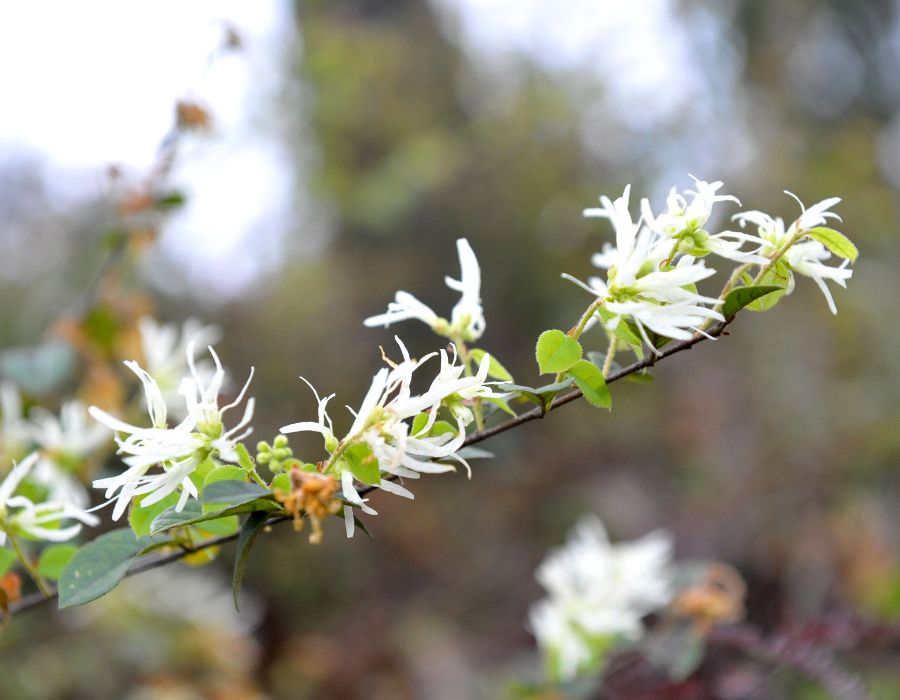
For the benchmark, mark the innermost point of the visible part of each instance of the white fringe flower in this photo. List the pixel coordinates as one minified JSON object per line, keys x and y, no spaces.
{"x":178,"y":450}
{"x":641,"y":284}
{"x":382,"y":426}
{"x":19,"y":515}
{"x":597,"y":592}
{"x":467,"y":318}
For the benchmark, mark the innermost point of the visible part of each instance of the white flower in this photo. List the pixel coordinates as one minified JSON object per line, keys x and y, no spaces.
{"x":164,"y":347}
{"x":178,"y":450}
{"x":640,"y":282}
{"x":597,"y":592}
{"x":804,"y":257}
{"x":14,"y":432}
{"x":381,"y":425}
{"x":65,"y":443}
{"x":683,"y":222}
{"x":19,"y":514}
{"x":467,"y":318}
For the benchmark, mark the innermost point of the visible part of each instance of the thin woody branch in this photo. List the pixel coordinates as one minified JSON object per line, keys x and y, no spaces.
{"x":35,"y":599}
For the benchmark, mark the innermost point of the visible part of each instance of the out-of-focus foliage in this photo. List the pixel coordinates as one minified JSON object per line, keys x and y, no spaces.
{"x":774,"y":450}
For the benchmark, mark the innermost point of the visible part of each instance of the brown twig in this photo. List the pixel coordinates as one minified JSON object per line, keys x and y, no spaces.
{"x":36,"y":599}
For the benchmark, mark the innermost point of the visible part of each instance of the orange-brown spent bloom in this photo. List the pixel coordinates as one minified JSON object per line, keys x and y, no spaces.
{"x":717,"y":598}
{"x":313,"y":494}
{"x":191,"y":115}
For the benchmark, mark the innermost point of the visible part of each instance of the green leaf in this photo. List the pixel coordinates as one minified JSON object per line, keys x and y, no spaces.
{"x":7,"y":559}
{"x":54,"y":559}
{"x":556,"y":352}
{"x":224,"y":525}
{"x":542,"y":396}
{"x":141,"y":517}
{"x":835,"y":241}
{"x":225,"y":473}
{"x":193,"y":514}
{"x":364,"y":465}
{"x":738,"y":298}
{"x":625,"y":331}
{"x":501,"y":404}
{"x":589,"y":379}
{"x":98,"y":566}
{"x":495,"y":369}
{"x":249,"y":530}
{"x":244,"y":458}
{"x":778,"y":276}
{"x":233,"y":493}
{"x":282,"y":483}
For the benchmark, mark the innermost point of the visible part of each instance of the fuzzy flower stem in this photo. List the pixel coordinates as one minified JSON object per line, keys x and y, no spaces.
{"x":23,"y":560}
{"x":610,"y":355}
{"x":582,"y":323}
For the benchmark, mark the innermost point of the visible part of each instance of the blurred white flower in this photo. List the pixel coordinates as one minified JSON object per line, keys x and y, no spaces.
{"x":380,"y":425}
{"x":178,"y":450}
{"x":467,"y":318}
{"x":19,"y":515}
{"x":14,"y":432}
{"x":598,"y":592}
{"x":164,"y":347}
{"x":65,"y":442}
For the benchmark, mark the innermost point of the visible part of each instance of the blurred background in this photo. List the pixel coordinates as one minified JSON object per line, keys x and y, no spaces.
{"x":344,"y":146}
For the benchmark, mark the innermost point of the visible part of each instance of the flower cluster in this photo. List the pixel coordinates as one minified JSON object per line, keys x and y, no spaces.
{"x":178,"y":450}
{"x":397,"y":434}
{"x":467,"y":318}
{"x":656,"y":263}
{"x":597,"y":594}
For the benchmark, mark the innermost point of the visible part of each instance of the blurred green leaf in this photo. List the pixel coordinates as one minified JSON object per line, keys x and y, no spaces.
{"x":141,"y":517}
{"x":54,"y":559}
{"x":249,"y":531}
{"x":7,"y":559}
{"x":495,"y":369}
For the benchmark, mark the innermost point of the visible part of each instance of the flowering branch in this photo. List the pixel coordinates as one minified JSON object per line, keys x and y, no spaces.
{"x":36,"y":599}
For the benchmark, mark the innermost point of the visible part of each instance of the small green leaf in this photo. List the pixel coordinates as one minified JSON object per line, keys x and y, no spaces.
{"x":225,"y":525}
{"x":495,"y":369}
{"x":835,"y":241}
{"x":98,"y":566}
{"x":225,"y":473}
{"x":556,"y":352}
{"x":282,"y":483}
{"x":738,"y":298}
{"x":362,"y":463}
{"x":193,"y":514}
{"x":54,"y":559}
{"x":141,"y":517}
{"x":778,"y":276}
{"x":501,"y":404}
{"x":244,"y":458}
{"x":542,"y":396}
{"x":589,"y":379}
{"x":233,"y":493}
{"x":249,"y":530}
{"x":7,"y":559}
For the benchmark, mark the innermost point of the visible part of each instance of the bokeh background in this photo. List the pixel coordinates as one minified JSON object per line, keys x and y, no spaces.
{"x":351,"y":143}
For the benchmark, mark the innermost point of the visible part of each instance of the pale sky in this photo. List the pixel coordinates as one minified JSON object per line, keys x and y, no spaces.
{"x":93,"y":82}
